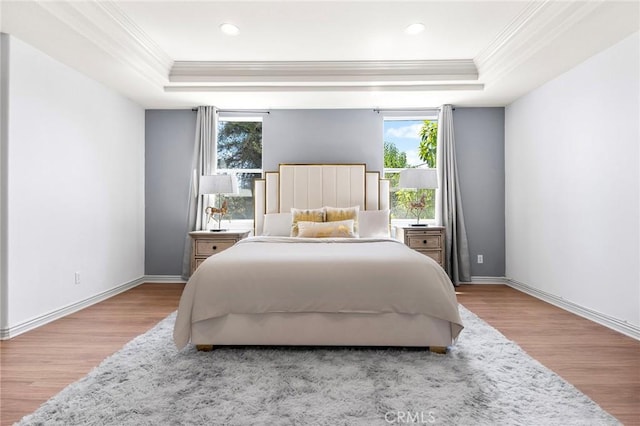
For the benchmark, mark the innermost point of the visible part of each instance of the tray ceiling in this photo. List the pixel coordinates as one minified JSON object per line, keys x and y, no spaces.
{"x":320,"y":54}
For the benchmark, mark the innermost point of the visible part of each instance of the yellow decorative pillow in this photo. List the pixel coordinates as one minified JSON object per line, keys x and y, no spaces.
{"x":306,"y":215}
{"x":335,"y":229}
{"x":334,"y":214}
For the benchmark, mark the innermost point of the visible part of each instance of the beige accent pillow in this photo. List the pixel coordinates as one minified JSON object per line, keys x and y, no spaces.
{"x":306,"y":215}
{"x":335,"y":229}
{"x":334,"y":214}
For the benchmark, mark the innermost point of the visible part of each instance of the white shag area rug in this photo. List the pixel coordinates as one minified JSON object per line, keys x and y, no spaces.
{"x":484,"y":379}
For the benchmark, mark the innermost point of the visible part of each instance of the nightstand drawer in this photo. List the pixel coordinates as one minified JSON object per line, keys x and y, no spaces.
{"x":428,"y":241}
{"x":206,"y":243}
{"x":209,"y":247}
{"x":434,"y":254}
{"x":425,"y":241}
{"x":198,"y":262}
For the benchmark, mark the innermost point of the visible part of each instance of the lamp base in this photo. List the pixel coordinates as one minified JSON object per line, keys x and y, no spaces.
{"x":419,"y":224}
{"x":218,"y":230}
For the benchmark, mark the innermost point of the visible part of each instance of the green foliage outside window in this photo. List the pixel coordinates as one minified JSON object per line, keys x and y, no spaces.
{"x":394,"y":158}
{"x":429,"y":143}
{"x":240,"y":147}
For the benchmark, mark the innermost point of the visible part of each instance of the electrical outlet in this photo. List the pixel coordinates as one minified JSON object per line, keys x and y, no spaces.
{"x":480,"y":259}
{"x":77,"y":276}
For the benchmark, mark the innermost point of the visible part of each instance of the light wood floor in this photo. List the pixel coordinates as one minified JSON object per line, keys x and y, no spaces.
{"x":601,"y":363}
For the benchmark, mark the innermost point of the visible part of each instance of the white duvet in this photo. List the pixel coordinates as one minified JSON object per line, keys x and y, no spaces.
{"x":277,"y":274}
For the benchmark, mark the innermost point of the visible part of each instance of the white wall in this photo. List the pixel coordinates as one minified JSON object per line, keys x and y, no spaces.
{"x":75,"y":186}
{"x":572,"y":185}
{"x":4,"y":82}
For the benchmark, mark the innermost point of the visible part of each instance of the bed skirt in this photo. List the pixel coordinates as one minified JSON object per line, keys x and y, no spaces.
{"x":323,"y":329}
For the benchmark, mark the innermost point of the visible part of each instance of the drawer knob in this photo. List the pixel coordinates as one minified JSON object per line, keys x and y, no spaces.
{"x":215,"y":247}
{"x":424,"y":241}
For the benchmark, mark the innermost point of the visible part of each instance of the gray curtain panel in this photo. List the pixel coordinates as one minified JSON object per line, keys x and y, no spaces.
{"x":204,"y":163}
{"x":456,"y":246}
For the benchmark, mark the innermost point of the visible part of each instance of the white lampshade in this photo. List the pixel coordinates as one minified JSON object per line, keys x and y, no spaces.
{"x":218,"y":184}
{"x":419,"y":179}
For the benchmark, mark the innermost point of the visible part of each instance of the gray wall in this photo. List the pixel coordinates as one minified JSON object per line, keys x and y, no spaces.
{"x":169,"y":139}
{"x":479,"y":134}
{"x":323,"y":136}
{"x":289,"y":136}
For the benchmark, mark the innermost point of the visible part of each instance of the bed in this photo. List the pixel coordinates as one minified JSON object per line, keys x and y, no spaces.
{"x":274,"y":289}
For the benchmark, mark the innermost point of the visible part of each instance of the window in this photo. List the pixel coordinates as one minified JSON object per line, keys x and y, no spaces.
{"x":239,"y":150}
{"x":409,"y":142}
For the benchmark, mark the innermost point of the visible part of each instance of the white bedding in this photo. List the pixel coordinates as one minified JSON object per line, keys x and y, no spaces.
{"x":262,"y":275}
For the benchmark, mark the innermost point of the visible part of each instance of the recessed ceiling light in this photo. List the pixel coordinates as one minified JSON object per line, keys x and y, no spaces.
{"x":416,"y":28}
{"x":229,"y":29}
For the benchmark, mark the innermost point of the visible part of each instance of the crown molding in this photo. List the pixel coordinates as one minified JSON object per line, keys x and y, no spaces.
{"x":104,"y":24}
{"x":492,"y":54}
{"x":329,"y":88}
{"x":533,"y":29}
{"x":257,"y":72}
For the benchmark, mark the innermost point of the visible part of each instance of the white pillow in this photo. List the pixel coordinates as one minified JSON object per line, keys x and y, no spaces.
{"x":373,"y":223}
{"x":277,"y":224}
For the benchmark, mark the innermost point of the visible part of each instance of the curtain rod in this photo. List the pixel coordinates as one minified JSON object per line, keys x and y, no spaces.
{"x":244,"y":111}
{"x":379,"y":110}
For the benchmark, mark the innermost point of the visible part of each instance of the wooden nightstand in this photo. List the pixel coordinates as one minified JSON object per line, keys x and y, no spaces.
{"x":207,"y":243}
{"x":428,"y":240}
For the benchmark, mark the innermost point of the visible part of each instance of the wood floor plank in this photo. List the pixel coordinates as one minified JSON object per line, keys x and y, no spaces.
{"x":600,"y":362}
{"x":40,"y":363}
{"x":603,"y":364}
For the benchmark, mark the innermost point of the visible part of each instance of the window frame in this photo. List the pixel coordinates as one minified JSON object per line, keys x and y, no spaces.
{"x":241,"y":224}
{"x":427,"y":116}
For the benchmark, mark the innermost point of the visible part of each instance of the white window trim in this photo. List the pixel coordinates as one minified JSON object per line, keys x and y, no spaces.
{"x":230,"y":171}
{"x":243,"y":118}
{"x":239,"y":224}
{"x":403,"y":116}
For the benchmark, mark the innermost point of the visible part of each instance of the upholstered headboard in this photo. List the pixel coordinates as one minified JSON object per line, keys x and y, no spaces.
{"x":316,"y":185}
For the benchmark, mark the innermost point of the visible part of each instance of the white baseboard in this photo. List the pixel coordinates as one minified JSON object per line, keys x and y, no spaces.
{"x":487,"y":280}
{"x":169,"y":279}
{"x":8,"y":333}
{"x":602,"y":319}
{"x":615,"y":324}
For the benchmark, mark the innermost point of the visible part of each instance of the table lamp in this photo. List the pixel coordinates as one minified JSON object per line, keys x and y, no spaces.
{"x":218,"y":185}
{"x":418,"y":179}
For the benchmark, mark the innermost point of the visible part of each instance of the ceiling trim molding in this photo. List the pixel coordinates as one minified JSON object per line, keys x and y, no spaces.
{"x":533,"y":29}
{"x":495,"y":48}
{"x":331,"y":88}
{"x":104,"y":24}
{"x":322,"y":71}
{"x":141,"y":41}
